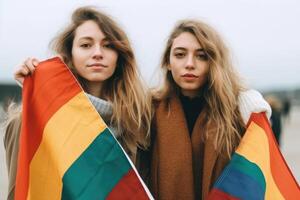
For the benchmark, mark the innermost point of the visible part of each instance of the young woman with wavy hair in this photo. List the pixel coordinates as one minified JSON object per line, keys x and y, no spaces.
{"x":99,"y":54}
{"x":200,"y":115}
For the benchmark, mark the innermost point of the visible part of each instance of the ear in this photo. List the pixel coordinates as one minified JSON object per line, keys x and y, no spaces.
{"x":168,"y":66}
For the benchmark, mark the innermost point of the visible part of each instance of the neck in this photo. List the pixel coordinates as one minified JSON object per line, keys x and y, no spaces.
{"x":194,"y":93}
{"x":95,"y":88}
{"x":191,"y":93}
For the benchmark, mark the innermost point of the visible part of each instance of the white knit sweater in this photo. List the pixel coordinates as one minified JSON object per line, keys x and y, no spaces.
{"x":104,"y":108}
{"x":251,"y":101}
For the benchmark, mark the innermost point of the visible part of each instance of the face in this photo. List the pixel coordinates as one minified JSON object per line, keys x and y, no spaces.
{"x":188,"y":64}
{"x":92,"y":54}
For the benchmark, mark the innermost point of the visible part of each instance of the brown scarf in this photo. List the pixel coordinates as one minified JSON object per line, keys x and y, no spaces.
{"x":183,"y":166}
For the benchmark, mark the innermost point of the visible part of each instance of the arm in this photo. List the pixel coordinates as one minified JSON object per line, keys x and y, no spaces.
{"x":11,"y":144}
{"x":251,"y":101}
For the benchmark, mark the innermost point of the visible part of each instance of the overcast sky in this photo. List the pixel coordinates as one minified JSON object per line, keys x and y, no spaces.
{"x":262,"y":34}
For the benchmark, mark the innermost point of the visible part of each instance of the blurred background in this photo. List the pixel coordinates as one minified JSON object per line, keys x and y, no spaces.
{"x":263,"y":37}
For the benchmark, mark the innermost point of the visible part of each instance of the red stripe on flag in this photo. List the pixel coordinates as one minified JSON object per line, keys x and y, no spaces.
{"x":53,"y":72}
{"x":129,"y":187}
{"x":281,"y":173}
{"x":216,"y":194}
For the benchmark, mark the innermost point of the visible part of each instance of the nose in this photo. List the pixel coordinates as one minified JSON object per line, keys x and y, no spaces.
{"x":190,"y":62}
{"x":98,"y":54}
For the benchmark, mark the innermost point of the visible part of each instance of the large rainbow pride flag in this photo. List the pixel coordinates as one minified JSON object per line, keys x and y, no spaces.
{"x":257,"y":169}
{"x":66,"y":149}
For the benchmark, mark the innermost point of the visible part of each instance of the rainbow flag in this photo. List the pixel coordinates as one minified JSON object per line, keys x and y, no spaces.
{"x":66,"y":149}
{"x":257,"y":169}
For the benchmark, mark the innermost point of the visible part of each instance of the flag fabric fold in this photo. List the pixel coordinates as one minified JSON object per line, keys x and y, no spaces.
{"x":66,"y":149}
{"x":257,"y":169}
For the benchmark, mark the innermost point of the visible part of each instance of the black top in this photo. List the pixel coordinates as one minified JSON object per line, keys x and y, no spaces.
{"x":192,"y":107}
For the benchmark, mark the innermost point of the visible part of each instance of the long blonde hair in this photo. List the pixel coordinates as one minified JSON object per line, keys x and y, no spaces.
{"x":221,"y":89}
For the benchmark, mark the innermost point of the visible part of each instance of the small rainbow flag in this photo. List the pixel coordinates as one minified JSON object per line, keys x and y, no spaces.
{"x":257,"y":169}
{"x":66,"y":149}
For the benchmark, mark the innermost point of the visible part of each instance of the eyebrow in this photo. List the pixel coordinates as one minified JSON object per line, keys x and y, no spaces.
{"x":85,"y":38}
{"x":184,"y":49}
{"x":90,"y":38}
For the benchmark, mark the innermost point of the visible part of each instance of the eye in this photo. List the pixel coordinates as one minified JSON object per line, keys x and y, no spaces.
{"x":202,"y":56}
{"x":85,"y":45}
{"x":179,"y":55}
{"x":108,"y":45}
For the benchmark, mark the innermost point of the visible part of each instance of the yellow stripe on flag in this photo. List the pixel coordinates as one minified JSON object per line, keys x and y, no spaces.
{"x":255,"y":147}
{"x":68,"y":133}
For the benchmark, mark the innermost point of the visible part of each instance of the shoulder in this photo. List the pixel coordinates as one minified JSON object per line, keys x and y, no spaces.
{"x":12,"y":129}
{"x":250,"y":93}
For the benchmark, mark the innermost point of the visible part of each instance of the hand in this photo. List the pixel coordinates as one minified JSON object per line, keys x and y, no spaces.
{"x":26,"y":68}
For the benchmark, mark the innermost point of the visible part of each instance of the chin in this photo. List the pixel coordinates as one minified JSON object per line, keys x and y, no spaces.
{"x":95,"y":79}
{"x":189,"y":87}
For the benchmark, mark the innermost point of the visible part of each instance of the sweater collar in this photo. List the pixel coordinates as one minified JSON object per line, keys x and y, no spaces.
{"x":103,"y":107}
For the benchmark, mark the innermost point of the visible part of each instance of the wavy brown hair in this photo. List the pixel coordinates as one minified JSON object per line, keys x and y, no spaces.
{"x":221,"y":90}
{"x":125,"y":89}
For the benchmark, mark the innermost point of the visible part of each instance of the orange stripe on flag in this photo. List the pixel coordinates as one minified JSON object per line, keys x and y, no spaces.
{"x":41,"y":87}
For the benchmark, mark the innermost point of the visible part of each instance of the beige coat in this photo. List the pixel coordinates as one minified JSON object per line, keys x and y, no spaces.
{"x":11,"y":145}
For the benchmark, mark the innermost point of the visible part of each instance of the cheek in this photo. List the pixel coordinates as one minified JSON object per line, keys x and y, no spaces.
{"x":177,"y":64}
{"x":78,"y":62}
{"x":203,"y":67}
{"x":176,"y":75}
{"x":173,"y":63}
{"x":110,"y":58}
{"x":113,"y":56}
{"x":205,"y":74}
{"x":206,"y":70}
{"x":175,"y":68}
{"x":76,"y":58}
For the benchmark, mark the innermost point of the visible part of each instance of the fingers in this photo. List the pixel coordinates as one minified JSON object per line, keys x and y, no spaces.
{"x":25,"y":69}
{"x":35,"y":61}
{"x":20,"y":73}
{"x":30,"y":64}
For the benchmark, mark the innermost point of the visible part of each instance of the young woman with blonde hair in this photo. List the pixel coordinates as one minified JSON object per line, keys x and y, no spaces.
{"x":200,"y":115}
{"x":99,"y":54}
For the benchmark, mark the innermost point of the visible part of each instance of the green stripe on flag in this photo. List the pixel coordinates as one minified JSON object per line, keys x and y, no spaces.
{"x":96,"y":172}
{"x":251,"y":169}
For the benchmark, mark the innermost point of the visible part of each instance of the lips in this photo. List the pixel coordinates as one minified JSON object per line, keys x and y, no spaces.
{"x":97,"y":65}
{"x":188,"y":75}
